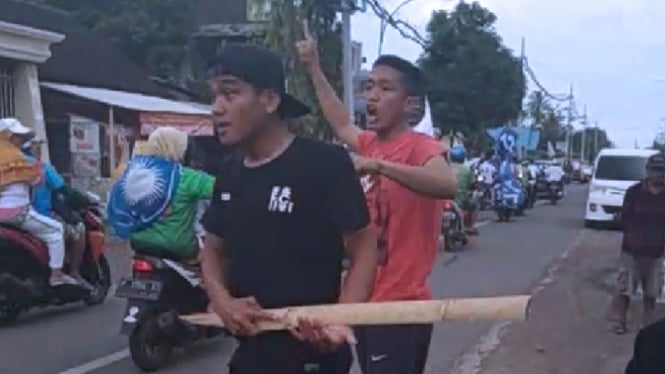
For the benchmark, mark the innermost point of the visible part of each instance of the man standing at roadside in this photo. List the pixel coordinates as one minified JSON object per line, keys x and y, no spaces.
{"x":643,"y":246}
{"x":283,"y":212}
{"x":406,"y":175}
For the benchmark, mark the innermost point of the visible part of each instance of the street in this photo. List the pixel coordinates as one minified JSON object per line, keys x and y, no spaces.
{"x":507,"y":258}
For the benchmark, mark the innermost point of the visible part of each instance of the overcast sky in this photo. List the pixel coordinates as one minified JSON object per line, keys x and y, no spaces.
{"x":612,"y":51}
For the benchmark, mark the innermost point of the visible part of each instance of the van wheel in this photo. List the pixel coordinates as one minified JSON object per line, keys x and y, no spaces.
{"x":589,"y":224}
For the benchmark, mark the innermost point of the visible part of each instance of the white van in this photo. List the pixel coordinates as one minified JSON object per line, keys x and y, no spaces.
{"x":615,"y":170}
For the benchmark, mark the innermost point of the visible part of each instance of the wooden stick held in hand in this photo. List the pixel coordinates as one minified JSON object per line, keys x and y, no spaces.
{"x":389,"y":313}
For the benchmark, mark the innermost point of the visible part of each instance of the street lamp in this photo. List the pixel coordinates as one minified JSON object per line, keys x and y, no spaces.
{"x":384,"y":22}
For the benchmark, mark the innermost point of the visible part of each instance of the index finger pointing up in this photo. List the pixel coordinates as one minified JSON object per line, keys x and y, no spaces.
{"x":305,"y":30}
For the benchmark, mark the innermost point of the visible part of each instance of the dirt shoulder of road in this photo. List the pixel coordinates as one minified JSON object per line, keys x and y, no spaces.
{"x":569,"y":331}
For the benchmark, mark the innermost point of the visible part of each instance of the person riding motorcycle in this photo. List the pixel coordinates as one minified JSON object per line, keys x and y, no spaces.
{"x":51,"y":198}
{"x":465,"y":183}
{"x":527,"y":182}
{"x":17,"y":176}
{"x":155,"y":200}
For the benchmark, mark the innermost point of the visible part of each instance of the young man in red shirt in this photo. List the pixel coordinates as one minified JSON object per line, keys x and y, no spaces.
{"x":405,"y":178}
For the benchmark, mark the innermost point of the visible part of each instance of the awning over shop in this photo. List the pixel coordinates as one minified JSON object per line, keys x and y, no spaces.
{"x":153,"y":111}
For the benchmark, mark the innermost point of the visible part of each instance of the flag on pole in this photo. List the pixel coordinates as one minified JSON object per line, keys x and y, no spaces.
{"x":550,"y":150}
{"x":426,"y":126}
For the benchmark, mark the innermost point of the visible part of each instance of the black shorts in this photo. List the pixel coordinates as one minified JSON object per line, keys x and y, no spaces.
{"x":394,"y":349}
{"x":280,"y":353}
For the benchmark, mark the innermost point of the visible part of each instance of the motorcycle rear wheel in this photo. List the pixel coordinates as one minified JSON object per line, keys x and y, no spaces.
{"x":149,"y":353}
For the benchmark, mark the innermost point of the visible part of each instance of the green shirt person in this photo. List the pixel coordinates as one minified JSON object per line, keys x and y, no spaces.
{"x":175,"y":229}
{"x":155,"y":201}
{"x":465,"y":178}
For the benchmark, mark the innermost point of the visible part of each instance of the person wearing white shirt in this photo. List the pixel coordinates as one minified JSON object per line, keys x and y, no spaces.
{"x":487,"y":171}
{"x":554,"y":173}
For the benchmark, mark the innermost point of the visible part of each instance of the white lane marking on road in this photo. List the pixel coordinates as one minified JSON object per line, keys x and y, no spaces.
{"x":471,"y":362}
{"x":483,"y":223}
{"x":99,"y":363}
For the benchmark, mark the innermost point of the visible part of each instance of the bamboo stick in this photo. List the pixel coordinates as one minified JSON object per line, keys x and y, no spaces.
{"x":389,"y":313}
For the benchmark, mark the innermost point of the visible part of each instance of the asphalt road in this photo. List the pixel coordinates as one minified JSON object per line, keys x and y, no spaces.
{"x":507,"y":258}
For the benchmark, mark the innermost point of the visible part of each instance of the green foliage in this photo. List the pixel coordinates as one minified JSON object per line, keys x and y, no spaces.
{"x":284,"y":30}
{"x":475,"y":80}
{"x":589,"y":142}
{"x":542,"y":115}
{"x":153,"y":33}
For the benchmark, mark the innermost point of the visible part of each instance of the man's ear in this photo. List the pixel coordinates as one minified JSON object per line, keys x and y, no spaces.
{"x":270,"y":101}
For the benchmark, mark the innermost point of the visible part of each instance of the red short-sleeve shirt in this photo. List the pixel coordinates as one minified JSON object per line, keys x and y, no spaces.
{"x":408,"y":223}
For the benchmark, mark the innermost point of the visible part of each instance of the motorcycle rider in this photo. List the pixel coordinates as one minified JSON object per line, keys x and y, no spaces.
{"x":49,"y":198}
{"x":554,"y":174}
{"x":528,"y":183}
{"x":488,"y":172}
{"x":155,"y":200}
{"x":17,"y":176}
{"x":463,"y":196}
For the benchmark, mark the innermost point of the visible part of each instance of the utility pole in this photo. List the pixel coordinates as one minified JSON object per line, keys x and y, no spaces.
{"x":595,"y":140}
{"x":569,"y":123}
{"x":347,"y":73}
{"x":583,"y":145}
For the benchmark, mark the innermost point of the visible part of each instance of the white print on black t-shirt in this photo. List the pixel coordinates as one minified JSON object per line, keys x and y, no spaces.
{"x":280,"y":200}
{"x":367,"y":182}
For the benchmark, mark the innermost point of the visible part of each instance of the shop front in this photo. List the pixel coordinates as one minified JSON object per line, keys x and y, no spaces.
{"x":92,"y":130}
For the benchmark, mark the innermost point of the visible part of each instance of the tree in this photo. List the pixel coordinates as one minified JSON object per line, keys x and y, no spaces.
{"x":284,"y":30}
{"x":543,"y":116}
{"x":154,"y":34}
{"x":475,"y":80}
{"x":590,"y":142}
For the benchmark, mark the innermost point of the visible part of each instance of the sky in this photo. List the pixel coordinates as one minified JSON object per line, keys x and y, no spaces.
{"x":611,"y":51}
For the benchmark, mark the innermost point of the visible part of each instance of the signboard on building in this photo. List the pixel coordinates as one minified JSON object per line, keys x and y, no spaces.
{"x":195,"y":125}
{"x":83,"y":135}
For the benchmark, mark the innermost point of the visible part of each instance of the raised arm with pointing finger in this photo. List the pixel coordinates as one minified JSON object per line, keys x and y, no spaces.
{"x":333,"y":108}
{"x":393,"y":85}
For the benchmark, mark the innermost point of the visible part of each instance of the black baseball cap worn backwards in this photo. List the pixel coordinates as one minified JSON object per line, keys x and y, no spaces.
{"x":260,"y":67}
{"x":656,"y":164}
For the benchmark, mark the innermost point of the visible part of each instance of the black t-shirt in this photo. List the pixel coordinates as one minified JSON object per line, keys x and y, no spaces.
{"x":282,"y":223}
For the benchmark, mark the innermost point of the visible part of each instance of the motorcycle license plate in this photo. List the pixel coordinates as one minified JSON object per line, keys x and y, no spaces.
{"x":139,"y":289}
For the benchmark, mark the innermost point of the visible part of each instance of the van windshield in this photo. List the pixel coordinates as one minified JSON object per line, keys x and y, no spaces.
{"x":621,"y":168}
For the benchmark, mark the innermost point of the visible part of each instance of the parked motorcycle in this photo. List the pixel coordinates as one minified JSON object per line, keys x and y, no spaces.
{"x":159,"y":291}
{"x":452,"y":228}
{"x":24,"y":270}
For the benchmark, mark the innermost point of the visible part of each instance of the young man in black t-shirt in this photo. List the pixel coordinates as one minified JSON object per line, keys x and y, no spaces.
{"x":283,"y":211}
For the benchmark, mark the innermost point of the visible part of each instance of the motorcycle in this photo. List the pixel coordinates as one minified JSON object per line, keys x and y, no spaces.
{"x":159,"y":291}
{"x":24,"y":270}
{"x":452,"y":228}
{"x":483,"y":193}
{"x":555,"y":191}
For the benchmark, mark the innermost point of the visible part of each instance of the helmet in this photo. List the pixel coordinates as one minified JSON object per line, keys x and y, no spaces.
{"x":457,"y":154}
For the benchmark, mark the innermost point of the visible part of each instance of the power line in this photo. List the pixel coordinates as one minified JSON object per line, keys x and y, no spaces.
{"x":532,"y":75}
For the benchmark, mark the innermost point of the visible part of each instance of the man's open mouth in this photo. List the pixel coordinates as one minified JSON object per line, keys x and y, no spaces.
{"x":372,"y":113}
